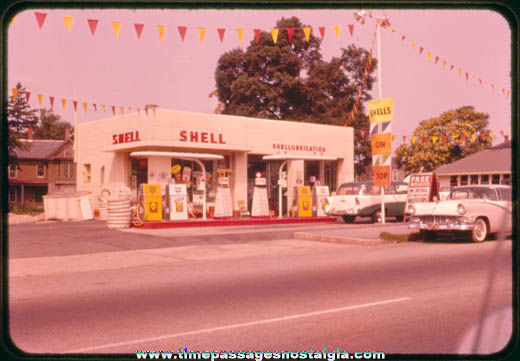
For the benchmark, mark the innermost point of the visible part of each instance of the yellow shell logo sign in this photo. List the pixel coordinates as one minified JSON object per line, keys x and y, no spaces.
{"x":176,"y":168}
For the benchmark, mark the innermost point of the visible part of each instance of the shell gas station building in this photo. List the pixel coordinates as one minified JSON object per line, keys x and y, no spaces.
{"x":218,"y":166}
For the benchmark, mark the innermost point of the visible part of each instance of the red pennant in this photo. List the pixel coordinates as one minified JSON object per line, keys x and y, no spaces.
{"x":483,"y":136}
{"x":467,"y":76}
{"x":404,"y":37}
{"x":444,"y":139}
{"x":463,"y":138}
{"x":436,"y":59}
{"x":322,"y":32}
{"x":351,"y":29}
{"x":492,"y":86}
{"x":290,"y":32}
{"x":182,"y":31}
{"x":451,"y":67}
{"x":138,"y":30}
{"x":503,"y":92}
{"x":221,"y":32}
{"x":480,"y":81}
{"x":257,"y":35}
{"x":51,"y":100}
{"x":404,"y":138}
{"x":421,"y":50}
{"x":28,"y":94}
{"x":146,"y":110}
{"x":75,"y":102}
{"x":113,"y":110}
{"x":423,"y":138}
{"x":92,"y":23}
{"x":502,"y":133}
{"x":95,"y":107}
{"x":40,"y":18}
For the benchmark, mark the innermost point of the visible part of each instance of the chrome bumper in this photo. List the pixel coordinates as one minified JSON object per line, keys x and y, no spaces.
{"x":440,"y":223}
{"x":341,"y":212}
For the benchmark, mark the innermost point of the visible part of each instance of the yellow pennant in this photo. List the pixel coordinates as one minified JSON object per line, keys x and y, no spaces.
{"x":161,"y":29}
{"x":122,"y":110}
{"x":104,"y":108}
{"x":153,"y":109}
{"x":307,"y":32}
{"x":202,"y":32}
{"x":139,"y":111}
{"x":434,"y":138}
{"x":337,"y":29}
{"x":393,"y":31}
{"x":413,"y":44}
{"x":508,"y":92}
{"x":240,"y":33}
{"x":15,"y":93}
{"x":444,"y":64}
{"x":274,"y":35}
{"x":473,"y":137}
{"x":429,"y":56}
{"x":492,"y":135}
{"x":68,"y":20}
{"x":473,"y":77}
{"x":393,"y":137}
{"x":63,"y":103}
{"x":460,"y":72}
{"x":40,"y":99}
{"x":116,"y":25}
{"x":85,"y":106}
{"x":413,"y":139}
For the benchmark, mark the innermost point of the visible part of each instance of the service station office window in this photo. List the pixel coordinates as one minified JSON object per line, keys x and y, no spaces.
{"x":12,"y":171}
{"x":40,"y":170}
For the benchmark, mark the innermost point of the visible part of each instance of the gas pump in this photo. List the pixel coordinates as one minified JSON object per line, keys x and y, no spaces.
{"x":260,"y":207}
{"x":198,"y":192}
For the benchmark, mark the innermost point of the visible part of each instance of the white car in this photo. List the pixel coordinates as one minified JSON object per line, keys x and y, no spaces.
{"x":363,"y":199}
{"x":477,"y":209}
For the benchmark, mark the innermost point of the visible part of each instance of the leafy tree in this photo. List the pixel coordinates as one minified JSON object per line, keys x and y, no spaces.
{"x":291,"y":81}
{"x":20,"y":117}
{"x":453,"y":131}
{"x":50,"y":126}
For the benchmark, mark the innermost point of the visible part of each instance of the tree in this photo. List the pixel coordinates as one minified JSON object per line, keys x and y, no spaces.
{"x":20,"y":117}
{"x":289,"y":80}
{"x":50,"y":126}
{"x":445,"y":139}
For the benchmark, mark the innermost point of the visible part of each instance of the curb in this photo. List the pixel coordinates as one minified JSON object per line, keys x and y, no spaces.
{"x":339,"y":239}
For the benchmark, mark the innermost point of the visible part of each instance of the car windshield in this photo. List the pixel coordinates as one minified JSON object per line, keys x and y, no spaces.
{"x":367,"y":189}
{"x":473,"y":193}
{"x":506,"y":194}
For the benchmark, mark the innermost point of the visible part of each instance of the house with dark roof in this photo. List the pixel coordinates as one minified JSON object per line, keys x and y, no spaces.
{"x":489,"y":166}
{"x":45,"y":167}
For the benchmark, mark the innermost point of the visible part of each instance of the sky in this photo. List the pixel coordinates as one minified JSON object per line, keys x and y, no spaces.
{"x":129,"y":71}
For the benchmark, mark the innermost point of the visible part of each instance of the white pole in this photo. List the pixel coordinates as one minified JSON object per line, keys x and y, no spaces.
{"x":380,"y":86}
{"x":280,"y":189}
{"x":76,"y":138}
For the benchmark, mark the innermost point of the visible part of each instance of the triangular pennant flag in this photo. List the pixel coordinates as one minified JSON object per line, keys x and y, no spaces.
{"x":508,"y":93}
{"x":444,"y":64}
{"x":15,"y":93}
{"x":104,"y":108}
{"x":221,"y":32}
{"x":472,"y":77}
{"x":463,"y":138}
{"x":413,"y":44}
{"x":337,"y":29}
{"x":202,"y":32}
{"x":403,"y":37}
{"x":363,"y":132}
{"x":51,"y":100}
{"x":351,"y":29}
{"x":68,"y":20}
{"x":393,"y":30}
{"x":460,"y":72}
{"x":404,"y":138}
{"x":322,"y":32}
{"x":64,"y":103}
{"x":153,"y":110}
{"x":492,"y":86}
{"x":492,"y":135}
{"x":138,"y":30}
{"x":40,"y":99}
{"x":274,"y":34}
{"x":161,"y":29}
{"x":393,"y":137}
{"x":467,"y":76}
{"x":483,"y":136}
{"x":240,"y":33}
{"x":444,"y":139}
{"x":92,"y":23}
{"x":40,"y":18}
{"x":28,"y":95}
{"x":434,"y":138}
{"x":116,"y":25}
{"x":307,"y":32}
{"x":421,"y":50}
{"x":436,"y":59}
{"x":85,"y":106}
{"x":95,"y":107}
{"x":75,"y":103}
{"x":146,"y":111}
{"x":257,"y":35}
{"x":113,"y":110}
{"x":502,"y":133}
{"x":480,"y":81}
{"x":138,"y":111}
{"x":451,"y":67}
{"x":182,"y":31}
{"x":413,"y":139}
{"x":473,"y":137}
{"x":423,"y":138}
{"x":290,"y":32}
{"x":122,"y":110}
{"x":428,"y":56}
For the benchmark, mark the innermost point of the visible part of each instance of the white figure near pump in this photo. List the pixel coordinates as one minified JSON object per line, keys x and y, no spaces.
{"x":260,"y":207}
{"x":223,"y":206}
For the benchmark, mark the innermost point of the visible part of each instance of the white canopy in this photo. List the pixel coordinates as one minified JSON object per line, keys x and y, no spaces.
{"x":297,"y":157}
{"x":182,"y":155}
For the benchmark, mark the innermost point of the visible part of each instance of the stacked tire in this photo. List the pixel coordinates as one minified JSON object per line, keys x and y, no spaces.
{"x":103,"y":195}
{"x":119,"y":212}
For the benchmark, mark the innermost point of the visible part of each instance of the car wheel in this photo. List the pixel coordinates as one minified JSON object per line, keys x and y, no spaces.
{"x":480,"y":230}
{"x":349,"y":219}
{"x":377,"y":216}
{"x":427,"y":235}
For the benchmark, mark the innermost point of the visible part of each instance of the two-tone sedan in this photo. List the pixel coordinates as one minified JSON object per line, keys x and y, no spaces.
{"x":477,"y":209}
{"x":363,"y":199}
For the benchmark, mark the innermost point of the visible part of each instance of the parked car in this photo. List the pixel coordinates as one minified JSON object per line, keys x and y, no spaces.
{"x":444,"y":192}
{"x":477,"y":209}
{"x":363,"y":199}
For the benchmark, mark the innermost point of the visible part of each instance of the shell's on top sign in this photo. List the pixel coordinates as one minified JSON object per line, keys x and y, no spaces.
{"x":381,"y":110}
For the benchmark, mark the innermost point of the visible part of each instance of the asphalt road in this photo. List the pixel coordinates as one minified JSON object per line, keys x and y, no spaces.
{"x":287,"y":294}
